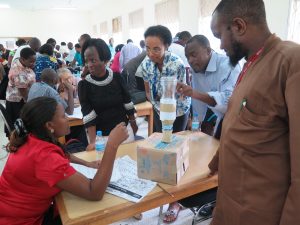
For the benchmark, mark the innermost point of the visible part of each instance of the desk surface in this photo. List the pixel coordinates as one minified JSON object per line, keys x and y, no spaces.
{"x":142,"y":109}
{"x":75,"y":210}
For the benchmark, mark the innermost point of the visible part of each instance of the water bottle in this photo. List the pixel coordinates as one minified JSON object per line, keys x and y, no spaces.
{"x":195,"y":123}
{"x":77,"y":73}
{"x":99,"y":145}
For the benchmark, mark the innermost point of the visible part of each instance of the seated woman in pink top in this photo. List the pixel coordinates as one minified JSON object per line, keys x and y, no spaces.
{"x":115,"y":66}
{"x":38,"y":168}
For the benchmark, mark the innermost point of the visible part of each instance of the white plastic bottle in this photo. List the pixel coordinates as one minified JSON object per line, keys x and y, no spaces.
{"x":195,"y":123}
{"x":99,"y":145}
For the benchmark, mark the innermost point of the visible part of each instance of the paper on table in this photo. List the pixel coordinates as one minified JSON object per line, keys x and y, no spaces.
{"x":129,"y":186}
{"x":90,"y":172}
{"x":76,"y":114}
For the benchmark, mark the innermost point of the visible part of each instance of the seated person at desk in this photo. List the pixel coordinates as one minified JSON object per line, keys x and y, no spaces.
{"x":65,"y":76}
{"x":104,"y":100}
{"x":38,"y":168}
{"x":44,"y":60}
{"x":49,"y":79}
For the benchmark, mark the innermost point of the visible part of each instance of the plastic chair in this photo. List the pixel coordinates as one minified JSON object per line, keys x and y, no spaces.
{"x":201,"y":204}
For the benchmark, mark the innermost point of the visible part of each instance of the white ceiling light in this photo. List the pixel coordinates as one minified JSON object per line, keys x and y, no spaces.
{"x":64,"y":8}
{"x":4,"y":6}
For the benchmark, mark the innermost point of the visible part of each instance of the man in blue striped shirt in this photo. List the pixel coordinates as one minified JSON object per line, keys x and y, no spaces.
{"x":213,"y":78}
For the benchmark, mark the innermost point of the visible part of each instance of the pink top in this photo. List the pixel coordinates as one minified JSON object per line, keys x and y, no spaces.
{"x":115,"y":66}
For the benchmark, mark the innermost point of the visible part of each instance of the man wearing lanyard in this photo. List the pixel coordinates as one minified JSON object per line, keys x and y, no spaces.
{"x":258,"y":161}
{"x":213,"y":80}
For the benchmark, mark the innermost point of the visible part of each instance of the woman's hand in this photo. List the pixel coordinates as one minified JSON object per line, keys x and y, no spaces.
{"x":68,"y":85}
{"x":94,"y":164}
{"x":133,"y":126}
{"x":212,"y":173}
{"x":60,"y":88}
{"x":118,"y":135}
{"x":90,"y":147}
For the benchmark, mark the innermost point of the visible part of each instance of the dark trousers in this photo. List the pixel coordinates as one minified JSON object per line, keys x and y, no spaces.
{"x":179,"y":124}
{"x":200,"y":198}
{"x":78,"y":132}
{"x":13,"y":110}
{"x":50,"y":218}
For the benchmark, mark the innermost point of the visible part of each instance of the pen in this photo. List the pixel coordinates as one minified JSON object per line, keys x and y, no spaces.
{"x":165,"y":190}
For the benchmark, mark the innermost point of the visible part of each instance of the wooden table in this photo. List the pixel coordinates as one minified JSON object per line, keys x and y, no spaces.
{"x":146,"y":109}
{"x":76,"y":211}
{"x":142,"y":109}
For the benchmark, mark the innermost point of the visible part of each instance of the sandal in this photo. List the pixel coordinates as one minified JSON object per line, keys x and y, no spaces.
{"x":172,"y":213}
{"x":138,"y":216}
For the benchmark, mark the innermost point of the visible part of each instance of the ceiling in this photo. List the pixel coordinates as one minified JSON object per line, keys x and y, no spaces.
{"x":36,"y":5}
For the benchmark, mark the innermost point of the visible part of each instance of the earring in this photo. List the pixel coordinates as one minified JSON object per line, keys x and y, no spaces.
{"x":51,"y":131}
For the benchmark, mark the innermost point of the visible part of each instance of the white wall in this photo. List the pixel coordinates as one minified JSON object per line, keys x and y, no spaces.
{"x":277,"y":14}
{"x":69,"y":25}
{"x":123,"y":8}
{"x":60,"y":25}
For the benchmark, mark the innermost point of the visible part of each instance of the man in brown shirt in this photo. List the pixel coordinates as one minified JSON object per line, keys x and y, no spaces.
{"x":258,"y":161}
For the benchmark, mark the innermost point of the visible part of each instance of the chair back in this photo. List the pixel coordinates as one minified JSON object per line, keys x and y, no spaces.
{"x":7,"y":122}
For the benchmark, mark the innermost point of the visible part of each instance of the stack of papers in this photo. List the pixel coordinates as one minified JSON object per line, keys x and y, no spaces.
{"x":77,"y":114}
{"x":124,"y":182}
{"x":90,"y":172}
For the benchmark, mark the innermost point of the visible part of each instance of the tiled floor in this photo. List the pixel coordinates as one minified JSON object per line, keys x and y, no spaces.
{"x":150,"y":217}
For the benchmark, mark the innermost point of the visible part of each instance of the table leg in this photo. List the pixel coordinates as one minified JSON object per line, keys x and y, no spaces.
{"x":160,"y":215}
{"x":150,"y":122}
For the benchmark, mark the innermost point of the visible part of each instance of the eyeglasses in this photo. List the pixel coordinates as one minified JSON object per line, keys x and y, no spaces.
{"x":155,"y":51}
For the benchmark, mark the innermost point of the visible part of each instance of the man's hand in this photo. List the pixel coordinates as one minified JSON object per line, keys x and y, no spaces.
{"x":184,"y":89}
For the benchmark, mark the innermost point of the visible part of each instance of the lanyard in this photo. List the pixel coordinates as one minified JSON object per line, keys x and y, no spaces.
{"x":251,"y":60}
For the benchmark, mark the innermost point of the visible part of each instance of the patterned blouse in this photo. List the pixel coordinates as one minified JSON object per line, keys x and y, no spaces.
{"x":19,"y":77}
{"x":172,"y":66}
{"x":43,"y":62}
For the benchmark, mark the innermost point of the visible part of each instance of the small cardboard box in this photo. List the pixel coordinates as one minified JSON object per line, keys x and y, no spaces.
{"x":163,"y":162}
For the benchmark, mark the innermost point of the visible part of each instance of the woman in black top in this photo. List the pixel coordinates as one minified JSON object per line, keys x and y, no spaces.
{"x":104,"y":100}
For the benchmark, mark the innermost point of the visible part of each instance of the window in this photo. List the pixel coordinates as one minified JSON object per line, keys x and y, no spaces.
{"x":294,"y":21}
{"x":167,"y":14}
{"x":206,"y":8}
{"x":136,"y":26}
{"x":104,"y":31}
{"x":117,"y":30}
{"x":95,"y":30}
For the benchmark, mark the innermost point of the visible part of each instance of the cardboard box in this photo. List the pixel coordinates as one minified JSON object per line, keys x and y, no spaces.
{"x":163,"y":162}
